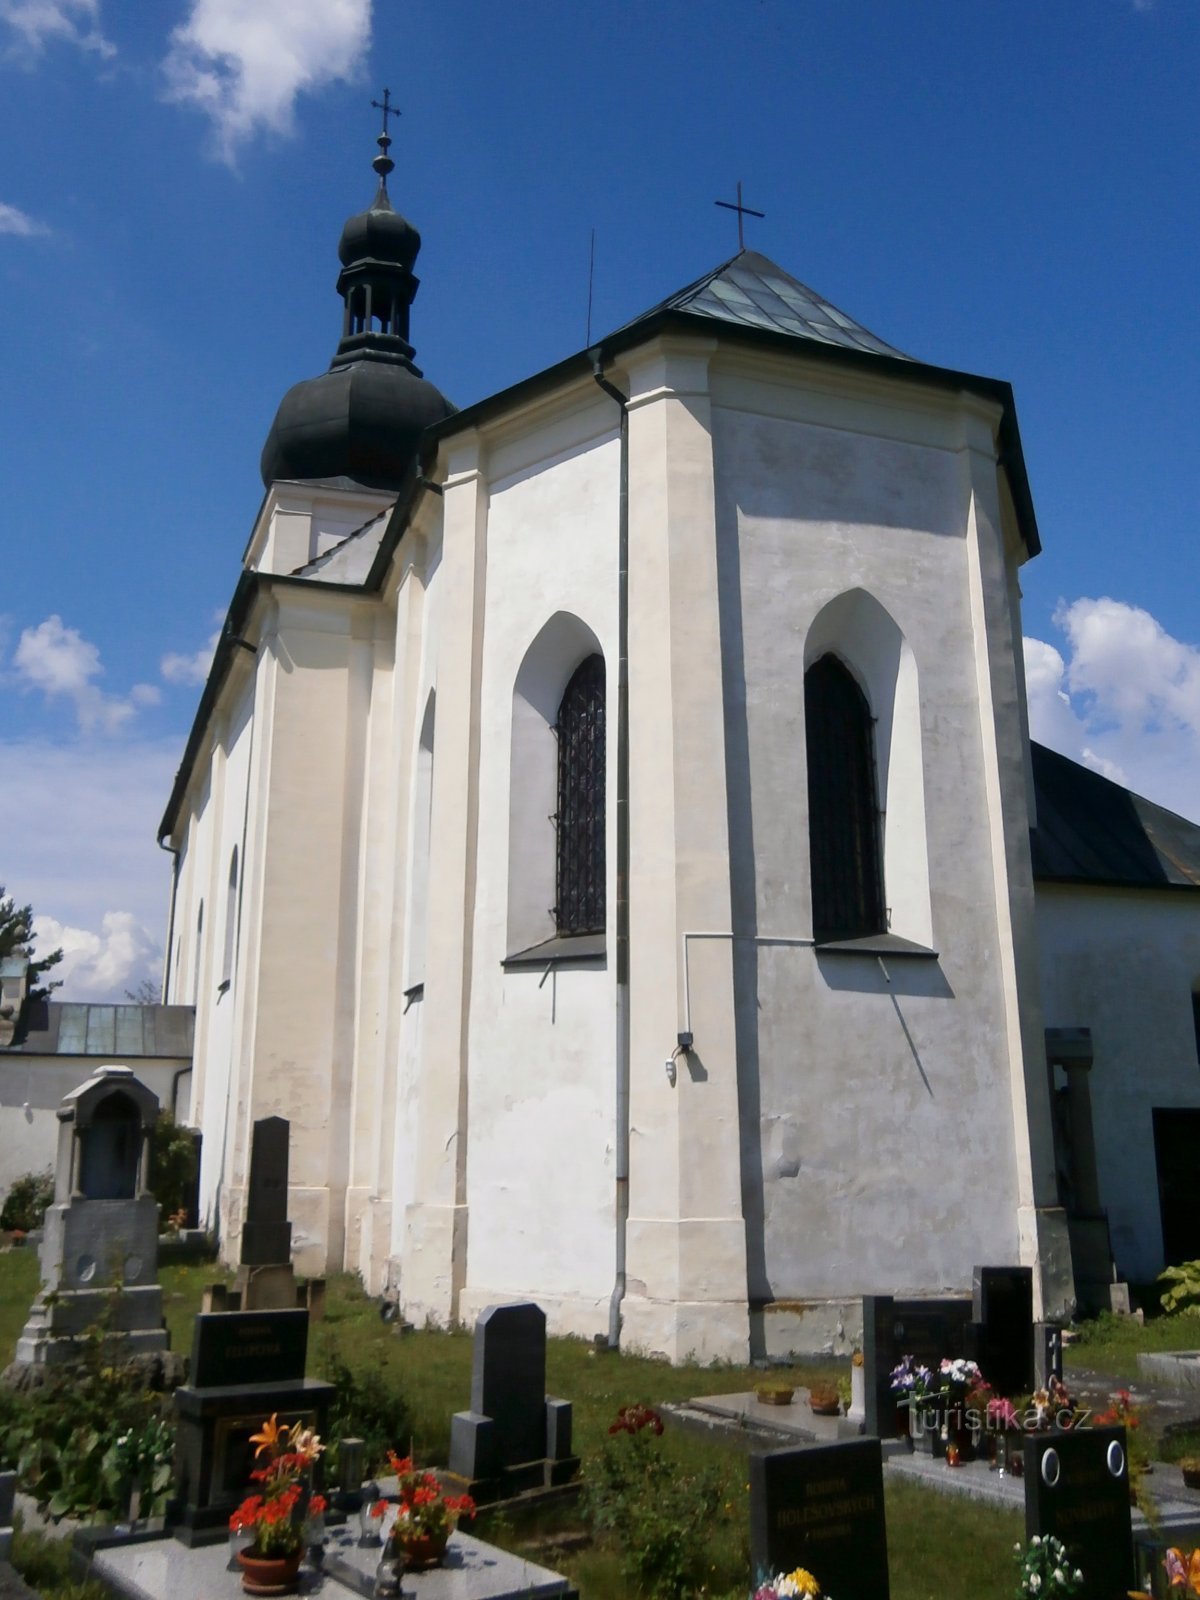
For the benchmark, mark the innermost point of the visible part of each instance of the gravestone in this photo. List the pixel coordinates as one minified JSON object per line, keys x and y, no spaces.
{"x":926,"y":1329}
{"x":1002,"y":1303}
{"x":265,"y":1278}
{"x":821,"y":1508}
{"x":515,"y":1437}
{"x":1047,"y":1354}
{"x":99,"y":1251}
{"x":246,"y":1366}
{"x":1077,"y":1489}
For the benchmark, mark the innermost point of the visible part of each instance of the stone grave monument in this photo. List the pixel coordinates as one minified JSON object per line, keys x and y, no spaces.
{"x":1077,"y":1489}
{"x":246,"y":1365}
{"x":1002,"y":1303}
{"x":99,"y":1253}
{"x":265,"y":1278}
{"x":821,"y":1507}
{"x":515,"y":1437}
{"x":926,"y":1329}
{"x":8,"y":1495}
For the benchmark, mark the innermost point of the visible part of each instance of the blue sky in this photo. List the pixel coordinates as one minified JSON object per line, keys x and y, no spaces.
{"x":1007,"y":189}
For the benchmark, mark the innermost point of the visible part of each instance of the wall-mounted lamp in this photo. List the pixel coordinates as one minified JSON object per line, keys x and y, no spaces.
{"x":672,"y":1062}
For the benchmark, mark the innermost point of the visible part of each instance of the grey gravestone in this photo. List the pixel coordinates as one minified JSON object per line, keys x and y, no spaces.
{"x":926,"y":1329}
{"x":1077,"y":1489}
{"x":101,"y":1231}
{"x":248,"y":1347}
{"x":514,"y":1437}
{"x":266,"y":1232}
{"x":8,"y":1493}
{"x":821,"y":1508}
{"x":1002,"y":1300}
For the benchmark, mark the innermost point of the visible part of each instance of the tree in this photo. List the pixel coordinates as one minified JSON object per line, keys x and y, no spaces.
{"x":146,"y":992}
{"x":16,"y":939}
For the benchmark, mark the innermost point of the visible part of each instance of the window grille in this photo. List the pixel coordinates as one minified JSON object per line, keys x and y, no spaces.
{"x":579,"y":821}
{"x":843,"y":809}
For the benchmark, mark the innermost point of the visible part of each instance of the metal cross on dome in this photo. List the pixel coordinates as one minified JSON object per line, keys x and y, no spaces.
{"x":742,"y":211}
{"x":389,"y":110}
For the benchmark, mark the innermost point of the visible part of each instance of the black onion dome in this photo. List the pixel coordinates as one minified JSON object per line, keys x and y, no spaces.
{"x":363,"y":419}
{"x":379,"y":234}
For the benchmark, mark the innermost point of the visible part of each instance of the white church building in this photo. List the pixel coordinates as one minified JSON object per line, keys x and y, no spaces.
{"x":605,"y":835}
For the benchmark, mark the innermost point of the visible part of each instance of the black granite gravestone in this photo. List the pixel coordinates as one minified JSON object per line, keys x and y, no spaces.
{"x":266,"y":1232}
{"x":246,"y":1366}
{"x":248,"y":1347}
{"x":925,"y":1329}
{"x":821,"y":1508}
{"x":514,"y":1437}
{"x":1077,"y":1489}
{"x":1002,"y":1301}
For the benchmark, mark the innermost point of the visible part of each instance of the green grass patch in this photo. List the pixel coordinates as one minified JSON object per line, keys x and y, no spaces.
{"x":1111,"y":1344}
{"x":19,"y":1279}
{"x":45,"y":1564}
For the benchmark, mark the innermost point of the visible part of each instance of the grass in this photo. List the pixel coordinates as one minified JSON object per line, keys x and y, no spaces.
{"x":938,"y":1545}
{"x":1111,"y":1344}
{"x":45,"y":1564}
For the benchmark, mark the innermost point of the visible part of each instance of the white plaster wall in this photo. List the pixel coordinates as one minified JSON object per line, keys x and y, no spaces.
{"x":1124,"y":963}
{"x":877,"y":1117}
{"x":32,"y":1089}
{"x":542,"y":1088}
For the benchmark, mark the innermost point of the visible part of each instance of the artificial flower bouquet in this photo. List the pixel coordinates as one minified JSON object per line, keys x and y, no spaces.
{"x":270,"y":1516}
{"x":1046,"y":1572}
{"x":425,"y":1517}
{"x":787,"y":1585}
{"x":913,"y":1384}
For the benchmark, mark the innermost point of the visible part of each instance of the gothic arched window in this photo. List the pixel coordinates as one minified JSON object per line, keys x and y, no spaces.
{"x":843,"y":805}
{"x":579,"y":820}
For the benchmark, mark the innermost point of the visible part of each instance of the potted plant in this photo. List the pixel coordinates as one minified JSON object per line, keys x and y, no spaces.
{"x":1190,"y":1467}
{"x":774,"y":1394}
{"x":274,"y":1517}
{"x":825,"y":1400}
{"x":919,"y":1393}
{"x":425,"y":1517}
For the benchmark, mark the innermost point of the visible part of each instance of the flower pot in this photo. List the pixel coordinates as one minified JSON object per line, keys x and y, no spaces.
{"x":269,"y":1574}
{"x":824,"y":1404}
{"x":774,"y":1394}
{"x":421,"y":1551}
{"x":1191,"y":1473}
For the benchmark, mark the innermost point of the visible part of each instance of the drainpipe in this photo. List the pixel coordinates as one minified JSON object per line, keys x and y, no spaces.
{"x":622,"y":907}
{"x":166,"y":978}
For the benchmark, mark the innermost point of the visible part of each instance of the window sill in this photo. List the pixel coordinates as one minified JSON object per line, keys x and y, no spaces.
{"x":875,"y":944}
{"x":575,"y":948}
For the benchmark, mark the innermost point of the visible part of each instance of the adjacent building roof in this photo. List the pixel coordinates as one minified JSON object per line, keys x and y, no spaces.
{"x":122,"y":1033}
{"x":751,"y":290}
{"x":1091,"y":830}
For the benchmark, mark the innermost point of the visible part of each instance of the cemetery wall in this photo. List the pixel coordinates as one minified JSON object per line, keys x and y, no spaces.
{"x":873,"y":1098}
{"x":1125,"y":963}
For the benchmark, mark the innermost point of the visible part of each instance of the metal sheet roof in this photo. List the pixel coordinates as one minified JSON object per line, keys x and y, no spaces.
{"x":1091,"y":830}
{"x":71,"y":1028}
{"x":751,"y":290}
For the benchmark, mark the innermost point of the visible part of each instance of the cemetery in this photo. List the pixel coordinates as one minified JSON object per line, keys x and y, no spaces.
{"x":313,"y":1444}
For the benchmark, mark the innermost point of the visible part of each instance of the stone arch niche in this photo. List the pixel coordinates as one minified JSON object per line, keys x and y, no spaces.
{"x":546,"y":669}
{"x":862,"y":634}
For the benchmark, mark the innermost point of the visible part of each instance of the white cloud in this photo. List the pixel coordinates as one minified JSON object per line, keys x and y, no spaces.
{"x":36,"y":23}
{"x":61,"y":663}
{"x":1125,"y":700}
{"x":15,"y":221}
{"x":78,"y":825}
{"x":190,"y":669}
{"x":99,"y":966}
{"x":244,"y":62}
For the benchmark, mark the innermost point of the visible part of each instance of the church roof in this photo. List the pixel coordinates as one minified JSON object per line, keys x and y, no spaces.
{"x":754,"y":292}
{"x":1091,"y":830}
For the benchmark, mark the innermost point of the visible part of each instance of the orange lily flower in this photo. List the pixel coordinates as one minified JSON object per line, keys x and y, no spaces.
{"x":272,"y":1436}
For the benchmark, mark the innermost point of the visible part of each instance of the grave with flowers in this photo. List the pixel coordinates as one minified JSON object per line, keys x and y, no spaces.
{"x":817,"y":1523}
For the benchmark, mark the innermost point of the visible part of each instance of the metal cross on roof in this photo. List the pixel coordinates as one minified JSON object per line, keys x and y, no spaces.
{"x":742,"y":211}
{"x":389,"y":110}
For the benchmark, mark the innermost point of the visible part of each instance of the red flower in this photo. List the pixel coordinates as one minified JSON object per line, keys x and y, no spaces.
{"x":317,"y":1505}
